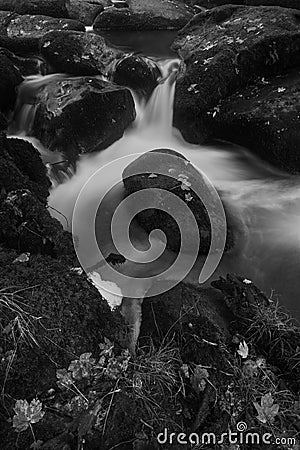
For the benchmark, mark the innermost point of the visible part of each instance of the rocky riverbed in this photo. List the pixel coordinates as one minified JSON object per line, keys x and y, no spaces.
{"x":208,"y":358}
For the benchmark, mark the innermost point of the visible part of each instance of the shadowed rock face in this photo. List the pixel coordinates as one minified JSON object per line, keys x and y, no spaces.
{"x":78,"y":53}
{"x":52,"y":8}
{"x":213,"y":3}
{"x":10,"y":78}
{"x":141,"y":15}
{"x":265,"y":119}
{"x":225,"y":49}
{"x":67,"y":110}
{"x":21,"y":168}
{"x":26,"y":66}
{"x":85,"y":10}
{"x":138,"y":73}
{"x":73,"y":319}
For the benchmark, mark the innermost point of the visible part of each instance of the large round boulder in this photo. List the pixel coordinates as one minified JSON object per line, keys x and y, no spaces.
{"x":81,"y":115}
{"x":185,"y":182}
{"x":140,"y":15}
{"x":78,"y":53}
{"x":136,"y":72}
{"x":223,"y":50}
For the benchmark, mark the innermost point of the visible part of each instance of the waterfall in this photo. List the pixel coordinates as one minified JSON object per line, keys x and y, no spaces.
{"x":158,"y":112}
{"x":26,"y":104}
{"x":271,"y":252}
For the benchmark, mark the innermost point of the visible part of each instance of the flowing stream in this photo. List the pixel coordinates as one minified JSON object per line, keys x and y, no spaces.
{"x":266,"y":201}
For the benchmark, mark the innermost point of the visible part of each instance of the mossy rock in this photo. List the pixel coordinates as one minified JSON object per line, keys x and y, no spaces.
{"x":225,"y":49}
{"x":265,"y":119}
{"x":62,"y":316}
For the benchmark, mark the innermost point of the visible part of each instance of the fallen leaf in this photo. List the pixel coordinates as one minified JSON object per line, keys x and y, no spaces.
{"x":198,"y":379}
{"x":243,"y":350}
{"x":267,"y":410}
{"x":24,"y":257}
{"x":26,"y":414}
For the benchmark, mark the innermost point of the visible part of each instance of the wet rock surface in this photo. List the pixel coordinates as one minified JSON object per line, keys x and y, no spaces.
{"x":33,"y":26}
{"x":136,"y":72}
{"x":21,"y":33}
{"x":225,"y":49}
{"x":185,"y":182}
{"x":214,"y":3}
{"x":52,"y":8}
{"x":68,"y":109}
{"x":140,"y":15}
{"x":26,"y":66}
{"x":85,"y":11}
{"x":265,"y":118}
{"x":78,"y":53}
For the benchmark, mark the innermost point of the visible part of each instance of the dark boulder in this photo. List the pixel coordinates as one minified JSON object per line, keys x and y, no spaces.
{"x":21,"y":33}
{"x":22,"y":168}
{"x":81,"y":115}
{"x":25,"y":222}
{"x":136,"y":72}
{"x":266,"y":119}
{"x":85,"y":11}
{"x":150,"y":15}
{"x":33,"y":26}
{"x":225,"y":49}
{"x":17,"y":45}
{"x":52,"y":8}
{"x":26,"y":66}
{"x":198,"y":321}
{"x":78,"y":53}
{"x":27,"y":226}
{"x":278,"y":343}
{"x":10,"y":78}
{"x":185,"y":182}
{"x":213,"y":3}
{"x":166,"y":310}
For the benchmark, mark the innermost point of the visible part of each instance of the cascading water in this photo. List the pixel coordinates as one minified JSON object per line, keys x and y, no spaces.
{"x":267,"y":201}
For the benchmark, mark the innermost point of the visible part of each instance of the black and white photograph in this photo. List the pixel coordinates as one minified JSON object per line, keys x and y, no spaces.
{"x":149,"y":224}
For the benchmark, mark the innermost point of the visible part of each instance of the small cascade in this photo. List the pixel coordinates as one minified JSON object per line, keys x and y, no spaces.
{"x":158,"y":112}
{"x":272,"y":251}
{"x":26,"y":104}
